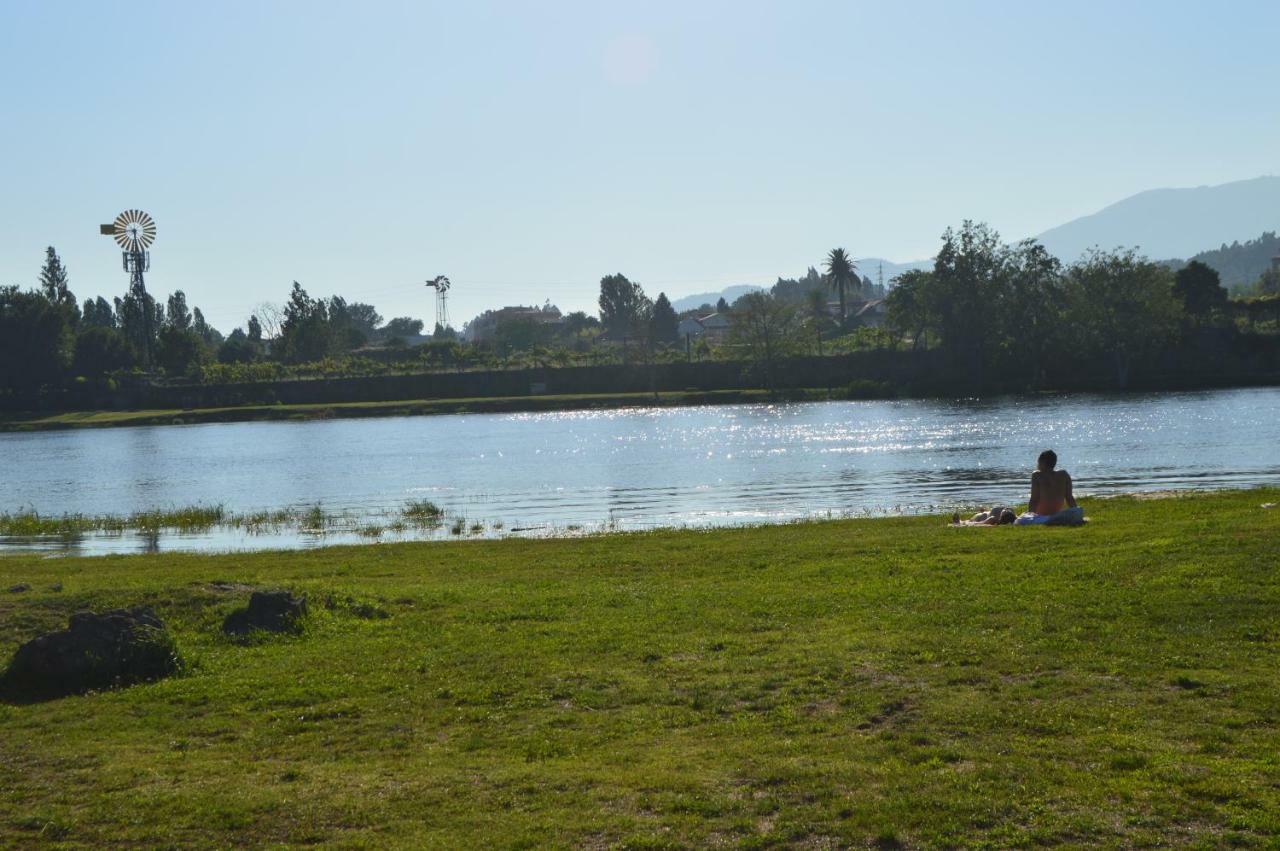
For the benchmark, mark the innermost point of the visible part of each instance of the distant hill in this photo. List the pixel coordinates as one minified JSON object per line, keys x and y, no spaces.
{"x":1173,"y":222}
{"x":1240,"y":263}
{"x":729,"y":294}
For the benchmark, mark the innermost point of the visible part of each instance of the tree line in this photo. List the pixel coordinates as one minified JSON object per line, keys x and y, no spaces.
{"x":1003,"y":314}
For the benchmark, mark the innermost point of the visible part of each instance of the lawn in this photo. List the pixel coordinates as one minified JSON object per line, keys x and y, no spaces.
{"x":888,"y":682}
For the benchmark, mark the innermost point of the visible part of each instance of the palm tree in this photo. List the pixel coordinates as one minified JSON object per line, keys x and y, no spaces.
{"x":841,"y":273}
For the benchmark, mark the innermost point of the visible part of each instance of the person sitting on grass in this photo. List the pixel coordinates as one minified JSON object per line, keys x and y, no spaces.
{"x":1051,"y":499}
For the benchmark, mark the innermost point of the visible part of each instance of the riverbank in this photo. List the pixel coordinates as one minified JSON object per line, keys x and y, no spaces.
{"x":413,"y":407}
{"x":890,"y":681}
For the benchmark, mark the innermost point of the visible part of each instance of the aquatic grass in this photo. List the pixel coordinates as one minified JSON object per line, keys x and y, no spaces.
{"x":194,"y":518}
{"x":314,"y":519}
{"x":422,"y":511}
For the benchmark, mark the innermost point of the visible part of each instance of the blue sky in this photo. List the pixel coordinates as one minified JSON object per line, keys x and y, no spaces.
{"x":527,"y":149}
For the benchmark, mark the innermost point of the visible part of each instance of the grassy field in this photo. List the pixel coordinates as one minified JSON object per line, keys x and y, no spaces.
{"x":890,"y":683}
{"x":478,"y":405}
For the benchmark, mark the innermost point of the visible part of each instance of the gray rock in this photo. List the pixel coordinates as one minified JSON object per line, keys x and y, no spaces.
{"x":269,"y":611}
{"x":96,"y":651}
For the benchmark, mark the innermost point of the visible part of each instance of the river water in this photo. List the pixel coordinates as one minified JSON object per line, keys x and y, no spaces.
{"x":584,"y":471}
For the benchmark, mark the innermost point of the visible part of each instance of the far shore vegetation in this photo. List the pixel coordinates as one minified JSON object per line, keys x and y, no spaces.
{"x":882,"y":683}
{"x":987,"y":317}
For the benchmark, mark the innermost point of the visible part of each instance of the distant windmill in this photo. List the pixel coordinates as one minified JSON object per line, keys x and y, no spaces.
{"x":441,"y":285}
{"x":134,"y":231}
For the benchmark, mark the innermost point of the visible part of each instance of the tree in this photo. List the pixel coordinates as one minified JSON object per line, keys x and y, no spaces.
{"x":270,"y":317}
{"x":624,"y":308}
{"x":1200,"y":290}
{"x":1122,"y":307}
{"x":178,"y":349}
{"x":907,"y":306}
{"x":98,"y":313}
{"x":1027,"y":308}
{"x":140,"y":317}
{"x":239,"y":347}
{"x":402,"y":327}
{"x":305,"y":333}
{"x":364,"y":317}
{"x":765,"y":326}
{"x":54,"y":285}
{"x":663,"y":322}
{"x":255,"y":329}
{"x":841,"y":275}
{"x":176,"y":313}
{"x":211,"y":336}
{"x":99,"y":350}
{"x":35,"y":342}
{"x":965,"y":284}
{"x":722,"y":306}
{"x":814,"y":313}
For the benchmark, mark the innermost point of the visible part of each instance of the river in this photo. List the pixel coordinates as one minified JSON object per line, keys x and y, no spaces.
{"x":585,"y":471}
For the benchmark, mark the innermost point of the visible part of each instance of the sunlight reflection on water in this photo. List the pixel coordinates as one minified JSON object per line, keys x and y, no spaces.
{"x":630,"y":469}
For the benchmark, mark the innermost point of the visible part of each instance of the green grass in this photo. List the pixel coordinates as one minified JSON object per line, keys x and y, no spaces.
{"x":864,"y":682}
{"x":407,"y":407}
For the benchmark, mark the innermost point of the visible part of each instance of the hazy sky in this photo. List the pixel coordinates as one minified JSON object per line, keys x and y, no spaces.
{"x":527,"y":149}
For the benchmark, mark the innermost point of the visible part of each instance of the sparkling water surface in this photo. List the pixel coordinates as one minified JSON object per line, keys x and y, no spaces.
{"x":561,"y":473}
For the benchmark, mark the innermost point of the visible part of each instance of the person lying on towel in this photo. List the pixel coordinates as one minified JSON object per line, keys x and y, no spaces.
{"x":1051,"y":500}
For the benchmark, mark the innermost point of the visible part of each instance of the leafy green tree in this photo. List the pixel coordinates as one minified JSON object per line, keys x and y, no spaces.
{"x":907,"y":307}
{"x":624,"y":308}
{"x":402,"y":327}
{"x":663,"y":322}
{"x":305,"y":333}
{"x":178,"y":349}
{"x":1122,"y":308}
{"x":100,"y":349}
{"x":965,"y":286}
{"x":520,"y":335}
{"x":364,"y":318}
{"x":1027,"y":310}
{"x":139,"y":318}
{"x":1200,"y":290}
{"x":254,"y":330}
{"x":766,"y":327}
{"x":842,"y":276}
{"x":176,"y":314}
{"x":35,"y":342}
{"x":206,"y":332}
{"x":722,"y":306}
{"x":55,"y":285}
{"x":97,"y":313}
{"x":239,"y":347}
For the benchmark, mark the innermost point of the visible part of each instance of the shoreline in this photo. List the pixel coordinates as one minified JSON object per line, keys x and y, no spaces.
{"x":408,"y":407}
{"x":435,"y":526}
{"x":309,"y":411}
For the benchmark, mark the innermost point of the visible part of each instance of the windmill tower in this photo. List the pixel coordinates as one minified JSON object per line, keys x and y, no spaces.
{"x":134,"y":231}
{"x":441,"y":285}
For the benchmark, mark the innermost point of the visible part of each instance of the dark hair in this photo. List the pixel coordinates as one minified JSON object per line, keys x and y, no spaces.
{"x":1048,"y":457}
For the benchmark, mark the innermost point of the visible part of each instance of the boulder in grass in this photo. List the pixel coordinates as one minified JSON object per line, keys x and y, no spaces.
{"x":268,"y":611}
{"x":96,"y":651}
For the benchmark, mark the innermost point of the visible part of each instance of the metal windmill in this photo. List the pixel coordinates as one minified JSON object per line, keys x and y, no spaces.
{"x":134,"y":231}
{"x":441,"y":285}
